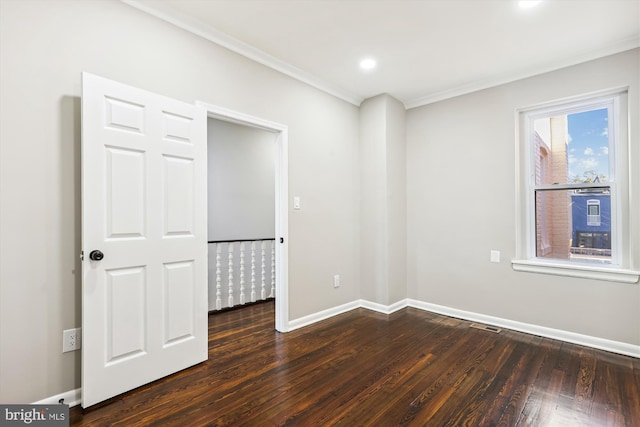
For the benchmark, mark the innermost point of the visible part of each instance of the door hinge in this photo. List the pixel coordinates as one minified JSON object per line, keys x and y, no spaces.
{"x":81,"y":255}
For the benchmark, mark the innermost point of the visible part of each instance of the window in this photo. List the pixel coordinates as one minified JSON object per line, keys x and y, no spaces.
{"x":573,"y":187}
{"x":593,"y":213}
{"x":574,"y":148}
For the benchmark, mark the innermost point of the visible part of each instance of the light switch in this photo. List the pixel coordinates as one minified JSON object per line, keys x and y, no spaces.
{"x":296,"y":202}
{"x":495,"y":256}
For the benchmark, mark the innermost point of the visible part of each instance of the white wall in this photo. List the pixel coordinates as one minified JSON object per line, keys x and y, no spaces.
{"x":396,"y":200}
{"x":241,"y":181}
{"x":383,"y":200}
{"x":374,"y":222}
{"x":460,"y":183}
{"x":44,"y":46}
{"x":241,"y":205}
{"x":461,"y":204}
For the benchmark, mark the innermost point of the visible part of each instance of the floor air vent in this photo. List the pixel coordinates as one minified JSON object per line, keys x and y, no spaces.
{"x":486,"y":327}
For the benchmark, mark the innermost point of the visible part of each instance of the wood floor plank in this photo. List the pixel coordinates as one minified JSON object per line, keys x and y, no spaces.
{"x":632,"y":391}
{"x":500,"y":400}
{"x":421,"y":387}
{"x":583,"y":399}
{"x":363,"y":368}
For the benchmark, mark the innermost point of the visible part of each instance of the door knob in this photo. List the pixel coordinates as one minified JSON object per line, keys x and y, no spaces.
{"x":96,"y":255}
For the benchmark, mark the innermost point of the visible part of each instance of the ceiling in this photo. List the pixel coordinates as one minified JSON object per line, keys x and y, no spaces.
{"x":426,"y":50}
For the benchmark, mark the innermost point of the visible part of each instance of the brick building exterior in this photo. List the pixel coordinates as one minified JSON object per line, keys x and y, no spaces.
{"x":553,"y":208}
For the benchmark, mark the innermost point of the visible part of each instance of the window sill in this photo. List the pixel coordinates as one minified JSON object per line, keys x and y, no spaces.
{"x":610,"y":274}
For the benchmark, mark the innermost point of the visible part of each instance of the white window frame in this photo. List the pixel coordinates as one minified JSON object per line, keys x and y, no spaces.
{"x":620,"y":267}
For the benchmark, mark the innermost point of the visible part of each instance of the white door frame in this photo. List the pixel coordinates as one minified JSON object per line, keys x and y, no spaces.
{"x":281,"y":202}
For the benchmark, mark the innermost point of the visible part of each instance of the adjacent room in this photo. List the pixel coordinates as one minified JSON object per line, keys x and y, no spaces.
{"x":428,"y":211}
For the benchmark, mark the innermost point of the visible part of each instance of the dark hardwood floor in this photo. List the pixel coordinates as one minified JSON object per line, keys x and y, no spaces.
{"x":363,"y":368}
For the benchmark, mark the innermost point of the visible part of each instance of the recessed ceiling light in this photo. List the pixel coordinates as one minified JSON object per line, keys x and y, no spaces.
{"x":527,"y":4}
{"x":368,"y":64}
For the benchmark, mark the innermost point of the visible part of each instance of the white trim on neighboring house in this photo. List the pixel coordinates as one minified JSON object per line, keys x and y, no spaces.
{"x":282,"y":200}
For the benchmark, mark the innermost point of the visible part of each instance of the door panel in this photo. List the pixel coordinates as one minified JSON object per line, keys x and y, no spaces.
{"x":177,"y":128}
{"x":126,"y":327}
{"x":144,"y":306}
{"x":123,"y":115}
{"x":178,"y":197}
{"x":179,"y":302}
{"x":125,"y":193}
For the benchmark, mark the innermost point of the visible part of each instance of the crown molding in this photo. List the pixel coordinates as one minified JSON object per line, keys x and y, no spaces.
{"x":621,"y":46}
{"x":168,"y":14}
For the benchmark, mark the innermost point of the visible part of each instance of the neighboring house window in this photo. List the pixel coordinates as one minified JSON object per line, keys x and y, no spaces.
{"x":593,"y":213}
{"x":574,"y":186}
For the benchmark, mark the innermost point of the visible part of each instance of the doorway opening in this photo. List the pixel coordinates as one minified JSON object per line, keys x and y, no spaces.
{"x":265,"y":253}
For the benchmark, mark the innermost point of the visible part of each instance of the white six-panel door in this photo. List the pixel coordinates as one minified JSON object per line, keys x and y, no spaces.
{"x":144,"y":304}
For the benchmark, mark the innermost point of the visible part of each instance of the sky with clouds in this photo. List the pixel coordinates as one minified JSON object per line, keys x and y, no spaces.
{"x":588,"y":138}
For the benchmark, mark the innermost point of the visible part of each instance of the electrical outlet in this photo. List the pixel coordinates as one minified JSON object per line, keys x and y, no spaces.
{"x":336,"y":281}
{"x":71,"y":339}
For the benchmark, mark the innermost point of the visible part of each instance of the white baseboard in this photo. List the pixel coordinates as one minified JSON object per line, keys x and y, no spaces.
{"x":384,"y":309}
{"x":71,"y":398}
{"x":321,"y":315}
{"x":558,"y":334}
{"x":74,"y":397}
{"x":326,"y":314}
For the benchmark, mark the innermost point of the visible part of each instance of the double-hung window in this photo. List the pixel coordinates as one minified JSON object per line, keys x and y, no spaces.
{"x":573,"y":188}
